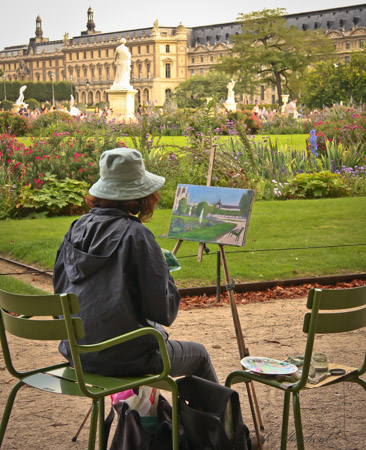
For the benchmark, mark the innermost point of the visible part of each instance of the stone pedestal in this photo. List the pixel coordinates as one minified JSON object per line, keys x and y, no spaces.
{"x":122,"y":102}
{"x":230,"y":106}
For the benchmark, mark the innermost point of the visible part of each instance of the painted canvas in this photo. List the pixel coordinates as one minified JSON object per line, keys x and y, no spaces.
{"x":211,"y":214}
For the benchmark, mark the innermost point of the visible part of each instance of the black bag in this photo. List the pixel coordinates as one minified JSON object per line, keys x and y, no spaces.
{"x":202,"y":408}
{"x":145,"y":433}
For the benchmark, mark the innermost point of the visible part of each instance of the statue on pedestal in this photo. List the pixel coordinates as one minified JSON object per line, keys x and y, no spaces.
{"x":230,"y":103}
{"x":122,"y":61}
{"x":20,"y":101}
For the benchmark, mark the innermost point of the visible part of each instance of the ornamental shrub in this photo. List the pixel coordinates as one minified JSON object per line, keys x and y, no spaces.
{"x":314,"y":185}
{"x":14,"y":124}
{"x":7,"y":105}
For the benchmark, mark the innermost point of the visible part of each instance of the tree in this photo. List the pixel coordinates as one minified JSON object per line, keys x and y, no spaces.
{"x":344,"y":81}
{"x":270,"y":52}
{"x":183,"y":206}
{"x":194,"y":92}
{"x":244,"y":203}
{"x":202,"y":206}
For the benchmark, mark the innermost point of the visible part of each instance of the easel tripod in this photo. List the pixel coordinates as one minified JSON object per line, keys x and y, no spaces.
{"x":243,"y":350}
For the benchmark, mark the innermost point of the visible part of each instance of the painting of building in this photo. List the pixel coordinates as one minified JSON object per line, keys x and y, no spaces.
{"x":211,"y":214}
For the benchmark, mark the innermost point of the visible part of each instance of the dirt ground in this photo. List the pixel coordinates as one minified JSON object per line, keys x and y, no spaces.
{"x":333,"y":417}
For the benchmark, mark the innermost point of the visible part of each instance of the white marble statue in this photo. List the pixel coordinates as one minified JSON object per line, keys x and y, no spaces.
{"x":122,"y":61}
{"x":230,"y":92}
{"x":72,"y":101}
{"x":20,"y":101}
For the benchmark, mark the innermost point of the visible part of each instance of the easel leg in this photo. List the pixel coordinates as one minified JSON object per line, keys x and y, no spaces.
{"x":243,"y":351}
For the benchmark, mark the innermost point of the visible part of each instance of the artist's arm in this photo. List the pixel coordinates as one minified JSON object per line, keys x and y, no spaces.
{"x":159,"y":297}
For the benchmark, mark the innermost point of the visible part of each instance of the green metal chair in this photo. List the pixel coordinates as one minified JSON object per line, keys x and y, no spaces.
{"x":16,"y":311}
{"x":352,"y":302}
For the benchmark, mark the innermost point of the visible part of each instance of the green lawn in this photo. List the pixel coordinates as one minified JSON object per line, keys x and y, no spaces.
{"x":273,"y":225}
{"x":293,"y":140}
{"x":11,"y":284}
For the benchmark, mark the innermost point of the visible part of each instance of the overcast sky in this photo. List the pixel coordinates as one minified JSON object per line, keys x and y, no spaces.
{"x":18,"y":17}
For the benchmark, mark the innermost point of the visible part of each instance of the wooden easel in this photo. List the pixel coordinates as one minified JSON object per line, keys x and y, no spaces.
{"x":243,"y":350}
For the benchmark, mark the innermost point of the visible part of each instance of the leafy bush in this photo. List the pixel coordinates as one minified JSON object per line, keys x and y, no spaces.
{"x":14,"y":124}
{"x":7,"y":105}
{"x":314,"y":185}
{"x":57,"y":197}
{"x":32,"y":103}
{"x":48,"y":123}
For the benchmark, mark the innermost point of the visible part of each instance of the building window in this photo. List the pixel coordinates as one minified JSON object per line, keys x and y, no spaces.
{"x":192,"y":59}
{"x":211,"y":58}
{"x":148,"y":49}
{"x":107,"y":53}
{"x":201,"y":58}
{"x":348,"y":45}
{"x":262,"y":93}
{"x":148,"y":70}
{"x":139,"y":49}
{"x":84,"y":55}
{"x":70,"y":56}
{"x":92,"y":54}
{"x":202,"y":71}
{"x":361,"y":43}
{"x":77,"y":55}
{"x":78,"y":74}
{"x":85,"y":74}
{"x":273,"y":99}
{"x":100,"y":73}
{"x":139,"y":70}
{"x":107,"y":72}
{"x":99,"y":53}
{"x":167,"y":48}
{"x":38,"y":77}
{"x":167,"y":70}
{"x":92,"y":73}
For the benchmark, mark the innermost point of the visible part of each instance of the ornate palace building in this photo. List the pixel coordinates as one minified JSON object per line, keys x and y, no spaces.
{"x":162,"y":57}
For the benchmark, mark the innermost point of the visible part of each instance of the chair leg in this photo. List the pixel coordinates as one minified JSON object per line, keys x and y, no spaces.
{"x":285,"y":416}
{"x":175,"y":419}
{"x":102,"y":443}
{"x":93,"y":425}
{"x":297,"y":418}
{"x":359,"y":381}
{"x":8,"y":408}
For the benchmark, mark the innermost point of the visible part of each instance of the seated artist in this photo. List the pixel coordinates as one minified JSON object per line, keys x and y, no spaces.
{"x":115,"y":266}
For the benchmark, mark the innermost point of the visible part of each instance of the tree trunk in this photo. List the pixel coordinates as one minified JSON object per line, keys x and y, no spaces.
{"x":279,"y":88}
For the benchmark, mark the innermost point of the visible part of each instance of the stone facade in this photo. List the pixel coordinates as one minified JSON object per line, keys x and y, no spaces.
{"x":161,"y":57}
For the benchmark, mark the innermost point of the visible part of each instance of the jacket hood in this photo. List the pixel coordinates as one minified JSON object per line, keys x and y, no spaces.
{"x":92,"y":240}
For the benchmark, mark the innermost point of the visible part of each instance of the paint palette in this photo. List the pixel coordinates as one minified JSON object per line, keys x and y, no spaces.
{"x":268,"y":366}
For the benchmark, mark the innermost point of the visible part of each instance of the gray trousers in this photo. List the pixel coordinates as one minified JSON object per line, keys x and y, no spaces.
{"x":190,"y":358}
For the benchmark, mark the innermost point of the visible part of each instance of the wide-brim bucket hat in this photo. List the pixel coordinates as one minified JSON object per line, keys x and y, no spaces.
{"x":123,"y":176}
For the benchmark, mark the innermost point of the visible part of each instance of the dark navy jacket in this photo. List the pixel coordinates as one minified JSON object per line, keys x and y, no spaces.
{"x":115,"y":266}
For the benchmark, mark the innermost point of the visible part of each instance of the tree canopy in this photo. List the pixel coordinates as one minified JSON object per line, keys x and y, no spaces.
{"x":344,"y":81}
{"x":270,"y":52}
{"x":194,"y":92}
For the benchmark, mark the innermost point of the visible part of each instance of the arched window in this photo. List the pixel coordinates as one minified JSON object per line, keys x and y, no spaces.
{"x":146,"y":96}
{"x":97,"y":97}
{"x":83,"y":97}
{"x":90,"y":98}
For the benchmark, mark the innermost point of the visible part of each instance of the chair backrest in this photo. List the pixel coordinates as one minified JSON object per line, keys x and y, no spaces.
{"x":348,"y":312}
{"x":35,"y":317}
{"x":348,"y":308}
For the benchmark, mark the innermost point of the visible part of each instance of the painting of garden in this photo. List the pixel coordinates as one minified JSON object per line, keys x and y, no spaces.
{"x":211,"y":214}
